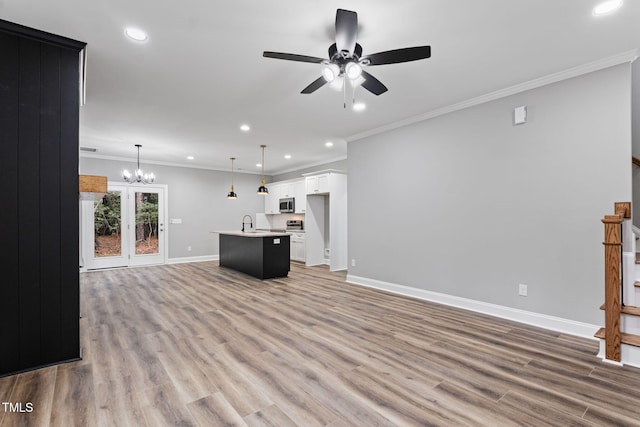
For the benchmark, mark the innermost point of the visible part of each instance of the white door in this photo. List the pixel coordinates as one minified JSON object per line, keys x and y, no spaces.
{"x":125,"y":227}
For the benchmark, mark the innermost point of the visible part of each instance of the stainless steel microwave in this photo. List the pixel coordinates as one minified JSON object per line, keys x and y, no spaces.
{"x":287,"y":205}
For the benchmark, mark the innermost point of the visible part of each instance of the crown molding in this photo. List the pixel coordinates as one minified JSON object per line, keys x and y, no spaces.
{"x":621,"y":58}
{"x":84,"y":154}
{"x":160,"y":163}
{"x":310,"y":165}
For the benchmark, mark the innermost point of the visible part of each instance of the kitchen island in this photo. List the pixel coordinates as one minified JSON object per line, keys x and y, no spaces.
{"x":261,"y":254}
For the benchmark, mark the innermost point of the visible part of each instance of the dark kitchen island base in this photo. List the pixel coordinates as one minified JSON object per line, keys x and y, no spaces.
{"x":261,"y":255}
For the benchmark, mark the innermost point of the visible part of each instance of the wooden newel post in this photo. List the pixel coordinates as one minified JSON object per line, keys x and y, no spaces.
{"x":612,"y":282}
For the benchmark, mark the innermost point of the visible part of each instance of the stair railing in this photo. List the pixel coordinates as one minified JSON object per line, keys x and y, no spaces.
{"x":613,"y":278}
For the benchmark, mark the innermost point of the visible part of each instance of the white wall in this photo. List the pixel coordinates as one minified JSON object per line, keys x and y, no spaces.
{"x":198,"y":197}
{"x":469,"y":205}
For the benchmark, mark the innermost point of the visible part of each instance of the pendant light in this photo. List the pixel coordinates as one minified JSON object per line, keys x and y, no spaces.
{"x":262,"y":189}
{"x":138,"y":175}
{"x":232,"y":194}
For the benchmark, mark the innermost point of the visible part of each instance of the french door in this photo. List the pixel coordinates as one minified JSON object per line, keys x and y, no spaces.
{"x":125,"y":227}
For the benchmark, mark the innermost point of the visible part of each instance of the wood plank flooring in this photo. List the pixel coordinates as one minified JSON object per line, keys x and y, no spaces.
{"x":199,"y":345}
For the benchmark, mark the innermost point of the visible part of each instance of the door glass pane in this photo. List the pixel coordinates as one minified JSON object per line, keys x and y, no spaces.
{"x":107,"y":219}
{"x":146,"y":223}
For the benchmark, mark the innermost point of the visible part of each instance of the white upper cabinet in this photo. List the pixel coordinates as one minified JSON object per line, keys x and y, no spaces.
{"x":286,"y":190}
{"x":318,"y":184}
{"x":272,"y":200}
{"x":300,"y":194}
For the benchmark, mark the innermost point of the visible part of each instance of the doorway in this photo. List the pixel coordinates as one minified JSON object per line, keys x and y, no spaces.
{"x":125,"y":227}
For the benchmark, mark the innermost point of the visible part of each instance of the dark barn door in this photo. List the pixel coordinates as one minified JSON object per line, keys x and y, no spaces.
{"x":39,"y":231}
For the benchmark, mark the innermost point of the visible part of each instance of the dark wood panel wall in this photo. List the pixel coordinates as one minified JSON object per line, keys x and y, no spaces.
{"x":39,"y":231}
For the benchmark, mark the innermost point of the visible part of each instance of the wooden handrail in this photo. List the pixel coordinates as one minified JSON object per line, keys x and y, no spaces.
{"x":635,"y":161}
{"x":623,"y":209}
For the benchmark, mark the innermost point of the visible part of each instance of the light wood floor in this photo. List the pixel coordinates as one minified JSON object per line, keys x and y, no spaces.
{"x":195,"y":344}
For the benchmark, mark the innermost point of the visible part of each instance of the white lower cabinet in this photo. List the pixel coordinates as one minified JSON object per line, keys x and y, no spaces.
{"x":298,"y":249}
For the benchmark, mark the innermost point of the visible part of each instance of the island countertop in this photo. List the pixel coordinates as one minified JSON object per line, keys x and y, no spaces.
{"x":253,"y":233}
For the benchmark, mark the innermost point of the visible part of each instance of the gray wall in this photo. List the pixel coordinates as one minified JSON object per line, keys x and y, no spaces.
{"x":338,"y":165}
{"x":635,"y":107}
{"x":198,"y":197}
{"x":468,"y":204}
{"x":635,"y":133}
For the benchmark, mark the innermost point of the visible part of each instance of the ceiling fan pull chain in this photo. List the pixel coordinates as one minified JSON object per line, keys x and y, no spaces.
{"x":353,"y":99}
{"x":344,"y":94}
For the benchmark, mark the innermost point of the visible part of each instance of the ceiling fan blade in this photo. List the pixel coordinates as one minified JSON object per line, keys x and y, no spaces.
{"x":346,"y":30}
{"x":358,"y":50}
{"x":317,"y":84}
{"x":292,"y":57}
{"x":372,"y":84}
{"x":332,"y":51}
{"x":399,"y":55}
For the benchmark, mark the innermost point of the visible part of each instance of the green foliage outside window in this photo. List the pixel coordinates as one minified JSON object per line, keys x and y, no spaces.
{"x":107,"y":214}
{"x":147,"y":214}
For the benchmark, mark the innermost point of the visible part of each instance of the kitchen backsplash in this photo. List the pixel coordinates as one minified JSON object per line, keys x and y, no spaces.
{"x":264,"y":221}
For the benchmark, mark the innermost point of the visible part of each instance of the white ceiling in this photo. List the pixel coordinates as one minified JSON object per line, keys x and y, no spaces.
{"x":201,"y":74}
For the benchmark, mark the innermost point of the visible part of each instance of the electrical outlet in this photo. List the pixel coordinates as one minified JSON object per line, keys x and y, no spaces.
{"x":522,"y":290}
{"x":188,"y":248}
{"x":353,"y":262}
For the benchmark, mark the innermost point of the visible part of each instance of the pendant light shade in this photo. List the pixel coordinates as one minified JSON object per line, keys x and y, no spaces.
{"x":138,"y":175}
{"x":232,"y":194}
{"x":263,"y":190}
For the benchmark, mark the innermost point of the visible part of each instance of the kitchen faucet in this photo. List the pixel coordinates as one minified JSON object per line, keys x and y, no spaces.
{"x":250,"y":221}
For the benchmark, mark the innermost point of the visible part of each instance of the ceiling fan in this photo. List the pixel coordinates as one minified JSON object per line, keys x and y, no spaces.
{"x":346,"y":59}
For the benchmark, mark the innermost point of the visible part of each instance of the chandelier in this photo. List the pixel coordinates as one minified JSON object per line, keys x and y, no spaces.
{"x":138,"y":175}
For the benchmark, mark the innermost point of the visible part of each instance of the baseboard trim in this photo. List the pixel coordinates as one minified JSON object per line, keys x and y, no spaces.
{"x":629,"y":355}
{"x":553,"y":323}
{"x":193,"y":259}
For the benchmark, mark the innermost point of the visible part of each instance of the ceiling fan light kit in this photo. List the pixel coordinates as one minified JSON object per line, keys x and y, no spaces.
{"x":353,"y":70}
{"x":330,"y":72}
{"x":346,"y":58}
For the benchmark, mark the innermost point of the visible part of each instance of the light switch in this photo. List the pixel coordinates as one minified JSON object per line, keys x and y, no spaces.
{"x":520,"y":115}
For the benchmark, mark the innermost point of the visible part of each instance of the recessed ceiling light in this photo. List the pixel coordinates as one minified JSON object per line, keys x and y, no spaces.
{"x":190,"y":157}
{"x":329,"y":144}
{"x":245,"y":128}
{"x":136,"y":34}
{"x":287,"y":156}
{"x":258,"y":165}
{"x":607,"y":7}
{"x":359,"y":106}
